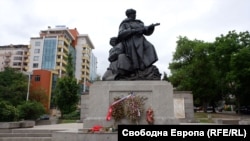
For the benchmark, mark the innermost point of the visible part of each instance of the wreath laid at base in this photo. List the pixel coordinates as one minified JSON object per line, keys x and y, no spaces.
{"x":125,"y":107}
{"x":130,"y":107}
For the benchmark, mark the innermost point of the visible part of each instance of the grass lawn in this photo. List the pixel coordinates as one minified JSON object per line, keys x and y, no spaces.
{"x":203,"y":117}
{"x":207,"y":117}
{"x":67,"y":121}
{"x":200,"y":115}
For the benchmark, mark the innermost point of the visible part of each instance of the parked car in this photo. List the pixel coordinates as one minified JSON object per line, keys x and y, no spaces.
{"x":219,"y":109}
{"x":44,"y":117}
{"x":197,"y":108}
{"x":210,"y":109}
{"x":243,"y":110}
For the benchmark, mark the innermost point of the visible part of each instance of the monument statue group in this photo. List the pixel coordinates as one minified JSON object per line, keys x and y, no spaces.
{"x":132,"y":56}
{"x":126,"y":95}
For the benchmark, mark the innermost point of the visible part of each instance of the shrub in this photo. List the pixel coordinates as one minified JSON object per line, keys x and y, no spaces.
{"x":75,"y":115}
{"x":31,"y":110}
{"x":8,"y":112}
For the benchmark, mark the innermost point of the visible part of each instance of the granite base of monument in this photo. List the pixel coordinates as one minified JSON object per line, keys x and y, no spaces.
{"x":159,"y":96}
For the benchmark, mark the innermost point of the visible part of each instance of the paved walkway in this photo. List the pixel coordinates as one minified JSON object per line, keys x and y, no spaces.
{"x":74,"y":127}
{"x":65,"y":126}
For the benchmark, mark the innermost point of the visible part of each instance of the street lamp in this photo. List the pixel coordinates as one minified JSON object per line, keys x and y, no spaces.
{"x":28,"y":89}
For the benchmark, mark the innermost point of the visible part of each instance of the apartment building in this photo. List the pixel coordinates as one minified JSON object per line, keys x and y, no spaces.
{"x":84,"y":48}
{"x":14,"y":56}
{"x":45,"y":59}
{"x":50,"y":51}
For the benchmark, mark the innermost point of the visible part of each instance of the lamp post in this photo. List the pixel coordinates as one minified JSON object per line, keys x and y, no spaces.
{"x":28,"y":89}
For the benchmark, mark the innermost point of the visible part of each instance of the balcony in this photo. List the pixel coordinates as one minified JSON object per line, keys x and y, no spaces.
{"x":85,"y":51}
{"x":85,"y":76}
{"x":6,"y":65}
{"x":62,"y":54}
{"x":7,"y":54}
{"x":61,"y":61}
{"x":64,"y":62}
{"x":64,"y":40}
{"x":85,"y":57}
{"x":7,"y":60}
{"x":85,"y":64}
{"x":61,"y":68}
{"x":59,"y":46}
{"x":27,"y":54}
{"x":65,"y":49}
{"x":59,"y":53}
{"x":26,"y":68}
{"x":85,"y":70}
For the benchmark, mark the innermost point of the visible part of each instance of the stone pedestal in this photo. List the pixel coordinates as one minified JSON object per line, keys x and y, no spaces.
{"x":159,"y":96}
{"x":184,"y":106}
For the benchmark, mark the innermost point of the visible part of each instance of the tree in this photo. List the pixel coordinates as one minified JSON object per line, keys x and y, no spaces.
{"x":66,"y":97}
{"x":192,"y":70}
{"x":8,"y":112}
{"x":30,"y":110}
{"x":240,"y":73}
{"x":213,"y":71}
{"x":231,"y":55}
{"x":165,"y":77}
{"x":39,"y":95}
{"x":13,"y":86}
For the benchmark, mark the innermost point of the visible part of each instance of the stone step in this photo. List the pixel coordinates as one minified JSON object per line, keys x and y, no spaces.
{"x":25,"y":135}
{"x":5,"y":130}
{"x":26,"y":139}
{"x":34,"y":130}
{"x":17,"y":124}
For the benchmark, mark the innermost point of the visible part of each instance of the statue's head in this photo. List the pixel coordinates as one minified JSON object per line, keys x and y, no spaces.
{"x":113,"y":41}
{"x":130,"y":11}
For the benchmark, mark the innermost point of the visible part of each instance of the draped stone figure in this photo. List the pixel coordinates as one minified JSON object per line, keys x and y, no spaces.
{"x":134,"y":56}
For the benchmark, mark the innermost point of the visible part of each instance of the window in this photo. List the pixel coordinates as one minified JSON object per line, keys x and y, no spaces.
{"x":49,"y":53}
{"x":35,"y":58}
{"x":60,"y":42}
{"x":37,"y":43}
{"x":37,"y":51}
{"x":37,"y":77}
{"x":18,"y":58}
{"x":35,"y":65}
{"x":19,"y":53}
{"x":17,"y":64}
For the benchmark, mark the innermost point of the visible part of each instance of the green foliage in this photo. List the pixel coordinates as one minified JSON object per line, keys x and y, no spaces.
{"x":165,"y":77}
{"x":66,"y":97}
{"x":8,"y":112}
{"x":66,"y":91}
{"x":69,"y":67}
{"x":13,"y":86}
{"x":192,"y":69}
{"x":232,"y":55}
{"x":39,"y":95}
{"x":212,"y":71}
{"x":75,"y":115}
{"x":31,"y":110}
{"x":62,"y":121}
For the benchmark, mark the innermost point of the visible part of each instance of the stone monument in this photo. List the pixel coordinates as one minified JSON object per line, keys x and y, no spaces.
{"x":158,"y":94}
{"x":132,"y":56}
{"x":130,"y":75}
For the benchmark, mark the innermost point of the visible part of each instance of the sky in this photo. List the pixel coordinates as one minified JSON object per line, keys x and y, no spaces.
{"x":196,"y":19}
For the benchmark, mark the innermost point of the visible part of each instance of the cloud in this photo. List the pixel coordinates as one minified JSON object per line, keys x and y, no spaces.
{"x":196,"y":19}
